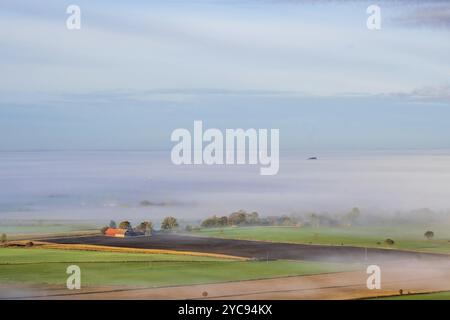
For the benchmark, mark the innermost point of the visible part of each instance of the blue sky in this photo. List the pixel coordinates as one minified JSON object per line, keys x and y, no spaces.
{"x":137,"y":70}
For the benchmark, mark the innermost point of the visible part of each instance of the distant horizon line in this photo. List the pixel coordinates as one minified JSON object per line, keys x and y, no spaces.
{"x":169,"y":149}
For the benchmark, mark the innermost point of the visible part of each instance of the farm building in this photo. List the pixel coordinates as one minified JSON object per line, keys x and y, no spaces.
{"x":121,"y":233}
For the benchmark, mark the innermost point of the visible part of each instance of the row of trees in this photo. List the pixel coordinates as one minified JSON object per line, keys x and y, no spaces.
{"x":242,"y":217}
{"x":146,"y":227}
{"x":347,"y":219}
{"x":237,"y":218}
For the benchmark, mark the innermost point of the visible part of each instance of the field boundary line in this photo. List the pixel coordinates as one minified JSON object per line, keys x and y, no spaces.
{"x":91,"y":247}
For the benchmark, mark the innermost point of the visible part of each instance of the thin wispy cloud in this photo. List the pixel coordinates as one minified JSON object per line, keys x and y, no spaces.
{"x":135,"y":67}
{"x":435,"y":16}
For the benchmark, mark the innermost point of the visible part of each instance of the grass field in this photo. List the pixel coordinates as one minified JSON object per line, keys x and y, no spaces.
{"x":48,"y":266}
{"x":424,"y":296}
{"x":408,"y":238}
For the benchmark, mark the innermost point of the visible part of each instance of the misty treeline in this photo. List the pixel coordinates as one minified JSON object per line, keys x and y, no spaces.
{"x":243,"y":218}
{"x":237,"y":218}
{"x":352,"y":217}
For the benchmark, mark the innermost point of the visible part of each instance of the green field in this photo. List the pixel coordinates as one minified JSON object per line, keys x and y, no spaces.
{"x":424,"y":296}
{"x":408,"y":238}
{"x":34,"y":265}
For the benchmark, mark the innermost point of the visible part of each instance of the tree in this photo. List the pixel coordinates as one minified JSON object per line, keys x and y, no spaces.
{"x":287,"y":221}
{"x":125,"y":225}
{"x":352,"y":216}
{"x":429,"y":234}
{"x":112,"y":224}
{"x":214,"y":222}
{"x":210,"y":222}
{"x":146,"y":227}
{"x":253,"y":218}
{"x":222,"y":221}
{"x":237,"y":218}
{"x":315,"y":220}
{"x":4,"y":238}
{"x":169,"y":223}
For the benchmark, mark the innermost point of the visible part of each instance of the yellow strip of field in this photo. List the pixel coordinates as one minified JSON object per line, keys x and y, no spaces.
{"x":90,"y":247}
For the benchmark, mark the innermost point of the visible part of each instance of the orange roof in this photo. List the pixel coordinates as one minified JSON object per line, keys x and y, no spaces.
{"x":114,"y":231}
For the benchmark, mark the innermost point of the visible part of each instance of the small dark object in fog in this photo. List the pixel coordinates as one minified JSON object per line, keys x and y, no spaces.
{"x":389,"y":241}
{"x":312,"y":158}
{"x":429,"y":234}
{"x":400,"y":291}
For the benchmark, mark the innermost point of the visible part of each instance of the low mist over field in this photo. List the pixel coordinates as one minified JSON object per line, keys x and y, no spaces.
{"x":133,"y":185}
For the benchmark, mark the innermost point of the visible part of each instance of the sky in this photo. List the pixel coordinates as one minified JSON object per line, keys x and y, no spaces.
{"x":137,"y":70}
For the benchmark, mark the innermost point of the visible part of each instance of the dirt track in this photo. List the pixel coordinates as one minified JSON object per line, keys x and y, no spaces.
{"x":254,"y":249}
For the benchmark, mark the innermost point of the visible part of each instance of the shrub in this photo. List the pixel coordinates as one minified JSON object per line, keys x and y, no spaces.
{"x":429,"y":234}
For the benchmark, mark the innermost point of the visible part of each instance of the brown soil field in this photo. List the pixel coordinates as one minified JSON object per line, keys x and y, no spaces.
{"x":253,"y":249}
